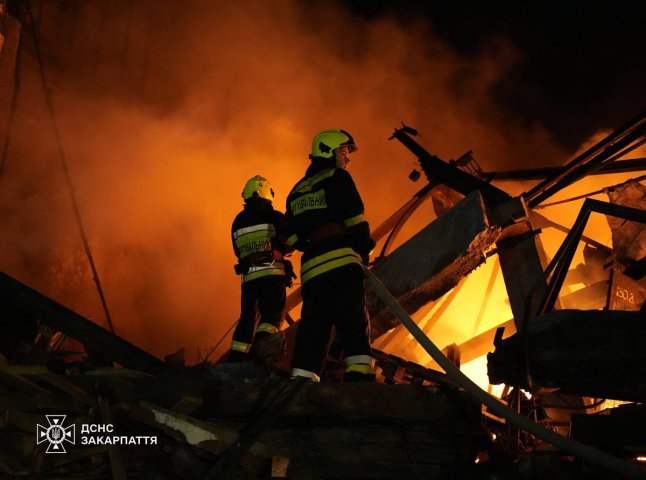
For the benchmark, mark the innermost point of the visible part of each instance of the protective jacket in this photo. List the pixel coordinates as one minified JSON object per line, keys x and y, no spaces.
{"x":325,"y":220}
{"x":258,"y":240}
{"x":258,"y":234}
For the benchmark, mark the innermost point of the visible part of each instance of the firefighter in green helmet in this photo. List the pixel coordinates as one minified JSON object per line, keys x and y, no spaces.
{"x":325,"y":221}
{"x":258,"y":238}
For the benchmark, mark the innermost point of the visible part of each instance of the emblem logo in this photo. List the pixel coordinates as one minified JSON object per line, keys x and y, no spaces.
{"x":55,"y":433}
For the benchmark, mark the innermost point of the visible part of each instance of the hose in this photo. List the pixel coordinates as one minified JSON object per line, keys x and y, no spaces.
{"x":586,"y":452}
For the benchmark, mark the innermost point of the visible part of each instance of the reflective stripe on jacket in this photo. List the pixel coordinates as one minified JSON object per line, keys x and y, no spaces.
{"x":328,"y":261}
{"x":326,"y":197}
{"x":257,"y":233}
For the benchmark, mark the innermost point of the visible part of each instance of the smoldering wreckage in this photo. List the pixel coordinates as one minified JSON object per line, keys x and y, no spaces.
{"x":569,"y":353}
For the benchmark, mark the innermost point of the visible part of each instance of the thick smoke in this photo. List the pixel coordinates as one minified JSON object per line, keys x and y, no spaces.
{"x":167,"y":108}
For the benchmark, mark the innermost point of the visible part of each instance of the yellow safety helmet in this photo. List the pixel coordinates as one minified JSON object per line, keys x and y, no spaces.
{"x":327,"y":141}
{"x":260,"y":186}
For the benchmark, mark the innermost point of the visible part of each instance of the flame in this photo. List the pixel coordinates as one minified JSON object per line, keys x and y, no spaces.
{"x":457,"y":317}
{"x":164,"y":113}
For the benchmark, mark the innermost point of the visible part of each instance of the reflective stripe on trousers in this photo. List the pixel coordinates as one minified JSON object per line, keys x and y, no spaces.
{"x":240,"y":346}
{"x":257,"y":271}
{"x":267,"y":328}
{"x":299,"y":372}
{"x":360,"y":364}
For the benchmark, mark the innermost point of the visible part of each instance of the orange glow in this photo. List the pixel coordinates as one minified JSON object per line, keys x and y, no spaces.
{"x":468,"y":313}
{"x":163,"y":123}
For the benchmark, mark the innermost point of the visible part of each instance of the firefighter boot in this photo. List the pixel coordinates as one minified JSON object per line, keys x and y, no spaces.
{"x":359,"y":372}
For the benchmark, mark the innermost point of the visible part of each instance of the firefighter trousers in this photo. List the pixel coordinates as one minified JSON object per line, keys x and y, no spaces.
{"x":263,"y":301}
{"x":334,"y":298}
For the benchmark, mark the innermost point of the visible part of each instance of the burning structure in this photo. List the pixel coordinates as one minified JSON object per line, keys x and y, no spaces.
{"x":562,"y":353}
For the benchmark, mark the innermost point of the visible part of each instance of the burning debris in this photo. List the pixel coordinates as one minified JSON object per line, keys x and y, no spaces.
{"x":248,"y":420}
{"x":628,"y":238}
{"x":69,"y":386}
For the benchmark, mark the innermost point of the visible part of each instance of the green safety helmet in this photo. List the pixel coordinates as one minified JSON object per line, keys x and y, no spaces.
{"x":260,"y":186}
{"x":326,"y":142}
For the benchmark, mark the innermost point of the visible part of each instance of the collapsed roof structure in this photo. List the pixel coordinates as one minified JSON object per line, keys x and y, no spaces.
{"x":252,"y":421}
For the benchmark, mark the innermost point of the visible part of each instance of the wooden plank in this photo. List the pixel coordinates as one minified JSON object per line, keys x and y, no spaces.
{"x":523,"y":274}
{"x":520,"y":262}
{"x":117,"y":464}
{"x":21,"y":421}
{"x":22,"y":384}
{"x":72,"y":390}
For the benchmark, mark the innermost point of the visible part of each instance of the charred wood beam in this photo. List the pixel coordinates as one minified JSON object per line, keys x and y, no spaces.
{"x":583,"y":352}
{"x":432,"y":262}
{"x":447,"y":173}
{"x":624,"y":166}
{"x":591,"y":160}
{"x":518,"y":252}
{"x":399,"y":371}
{"x":523,"y":274}
{"x":25,"y":299}
{"x":519,"y":259}
{"x":10,"y":378}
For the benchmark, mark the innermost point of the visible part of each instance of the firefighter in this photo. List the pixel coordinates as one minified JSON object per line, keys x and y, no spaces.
{"x":325,"y":221}
{"x":258,"y":242}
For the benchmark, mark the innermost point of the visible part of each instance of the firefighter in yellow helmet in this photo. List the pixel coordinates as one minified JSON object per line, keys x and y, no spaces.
{"x":258,"y":242}
{"x":325,"y":221}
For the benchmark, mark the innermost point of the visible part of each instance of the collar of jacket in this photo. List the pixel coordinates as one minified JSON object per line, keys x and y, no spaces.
{"x":319,"y":164}
{"x":258,"y":204}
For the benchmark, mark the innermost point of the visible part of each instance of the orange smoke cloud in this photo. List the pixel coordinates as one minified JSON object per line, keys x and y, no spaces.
{"x":167,"y":108}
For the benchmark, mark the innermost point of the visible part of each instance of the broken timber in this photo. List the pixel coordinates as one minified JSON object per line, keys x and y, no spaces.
{"x":27,"y":301}
{"x":331,"y":431}
{"x":591,"y":353}
{"x":519,"y":260}
{"x":432,"y":262}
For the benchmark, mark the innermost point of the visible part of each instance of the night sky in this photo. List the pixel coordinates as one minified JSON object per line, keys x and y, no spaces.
{"x":582,"y":64}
